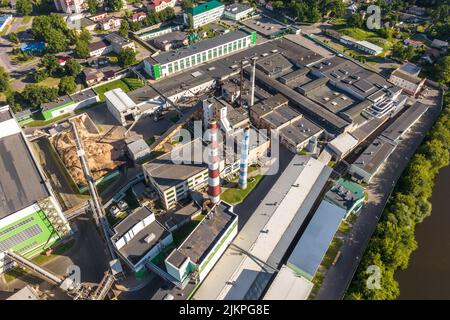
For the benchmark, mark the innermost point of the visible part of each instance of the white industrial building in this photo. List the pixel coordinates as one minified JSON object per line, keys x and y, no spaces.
{"x":238,"y":11}
{"x":121,"y":106}
{"x":342,"y":145}
{"x":288,"y":285}
{"x":140,"y":237}
{"x":203,"y":13}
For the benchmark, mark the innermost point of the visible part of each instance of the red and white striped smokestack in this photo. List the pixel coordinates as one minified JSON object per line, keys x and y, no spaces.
{"x":213,"y":164}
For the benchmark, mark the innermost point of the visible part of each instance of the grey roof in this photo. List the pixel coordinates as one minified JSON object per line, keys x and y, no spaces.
{"x":83,"y":95}
{"x":405,"y":121}
{"x":6,"y":115}
{"x":274,"y":65}
{"x":237,"y":7}
{"x":320,"y":115}
{"x":138,"y":146}
{"x":56,"y":103}
{"x":174,"y":55}
{"x":299,"y":131}
{"x":176,"y":258}
{"x":296,"y":53}
{"x":167,"y":173}
{"x":117,"y":39}
{"x":281,"y":116}
{"x":93,"y":46}
{"x":266,"y":106}
{"x":142,"y":94}
{"x":21,"y":184}
{"x":136,"y":248}
{"x":287,"y":78}
{"x":406,"y":76}
{"x":206,"y":234}
{"x":372,"y":158}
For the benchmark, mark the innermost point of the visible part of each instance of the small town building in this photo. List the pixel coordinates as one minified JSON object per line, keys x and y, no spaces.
{"x":138,"y":150}
{"x":238,"y":11}
{"x":159,"y":5}
{"x":203,"y":14}
{"x":406,"y":77}
{"x":139,"y":238}
{"x":121,"y":106}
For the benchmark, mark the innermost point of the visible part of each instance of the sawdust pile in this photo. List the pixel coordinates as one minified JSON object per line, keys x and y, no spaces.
{"x":101,"y":156}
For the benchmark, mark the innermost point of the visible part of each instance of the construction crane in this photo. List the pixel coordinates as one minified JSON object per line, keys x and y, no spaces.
{"x":99,"y":211}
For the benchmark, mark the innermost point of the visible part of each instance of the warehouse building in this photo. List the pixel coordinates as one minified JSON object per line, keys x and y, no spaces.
{"x":168,"y":63}
{"x":31,"y":219}
{"x":69,"y":103}
{"x":315,"y":240}
{"x":203,"y":13}
{"x":405,"y":121}
{"x":121,"y":106}
{"x":371,"y":160}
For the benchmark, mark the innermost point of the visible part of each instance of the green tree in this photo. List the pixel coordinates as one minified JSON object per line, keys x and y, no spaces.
{"x":73,"y":67}
{"x":35,"y":95}
{"x":127,"y":57}
{"x":442,"y":70}
{"x":85,"y":35}
{"x":186,"y":4}
{"x":56,"y":41}
{"x":82,"y":49}
{"x":50,"y":64}
{"x":115,"y":5}
{"x":13,"y":37}
{"x":24,"y":7}
{"x":355,"y":20}
{"x":124,"y":28}
{"x":92,"y":6}
{"x":40,"y":75}
{"x":67,"y":85}
{"x":4,"y":80}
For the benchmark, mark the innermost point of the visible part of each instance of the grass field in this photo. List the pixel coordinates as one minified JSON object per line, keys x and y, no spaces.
{"x":126,"y":84}
{"x":26,"y":20}
{"x":236,"y":195}
{"x":50,"y":82}
{"x":110,"y":86}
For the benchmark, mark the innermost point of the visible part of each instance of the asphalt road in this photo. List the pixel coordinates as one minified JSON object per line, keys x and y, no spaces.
{"x":339,"y":277}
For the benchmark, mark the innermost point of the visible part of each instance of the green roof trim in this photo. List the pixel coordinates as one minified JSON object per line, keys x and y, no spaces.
{"x":204,"y":7}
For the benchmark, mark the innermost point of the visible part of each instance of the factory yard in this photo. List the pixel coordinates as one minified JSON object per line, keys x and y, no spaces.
{"x":245,"y":159}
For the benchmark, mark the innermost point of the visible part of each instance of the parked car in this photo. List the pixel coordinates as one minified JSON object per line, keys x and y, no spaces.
{"x":122,"y":205}
{"x":114,"y":211}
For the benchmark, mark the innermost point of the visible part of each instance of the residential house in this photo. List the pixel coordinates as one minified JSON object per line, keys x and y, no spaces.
{"x":159,"y":5}
{"x":138,"y":16}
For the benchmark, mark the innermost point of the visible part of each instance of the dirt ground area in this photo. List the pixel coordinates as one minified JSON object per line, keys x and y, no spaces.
{"x":102,"y":152}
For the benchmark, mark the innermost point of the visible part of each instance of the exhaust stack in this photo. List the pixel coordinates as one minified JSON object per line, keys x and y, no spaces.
{"x":213,"y":165}
{"x":244,"y":159}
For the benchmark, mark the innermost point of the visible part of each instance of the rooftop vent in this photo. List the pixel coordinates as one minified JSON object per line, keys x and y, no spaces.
{"x":149,"y":238}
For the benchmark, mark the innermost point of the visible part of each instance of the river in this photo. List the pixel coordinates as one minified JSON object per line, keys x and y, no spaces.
{"x":428,"y":273}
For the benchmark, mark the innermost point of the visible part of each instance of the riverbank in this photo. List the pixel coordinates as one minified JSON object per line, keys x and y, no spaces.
{"x":427,"y":275}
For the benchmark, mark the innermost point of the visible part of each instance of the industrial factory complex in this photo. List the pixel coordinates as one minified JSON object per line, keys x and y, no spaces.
{"x":229,"y":174}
